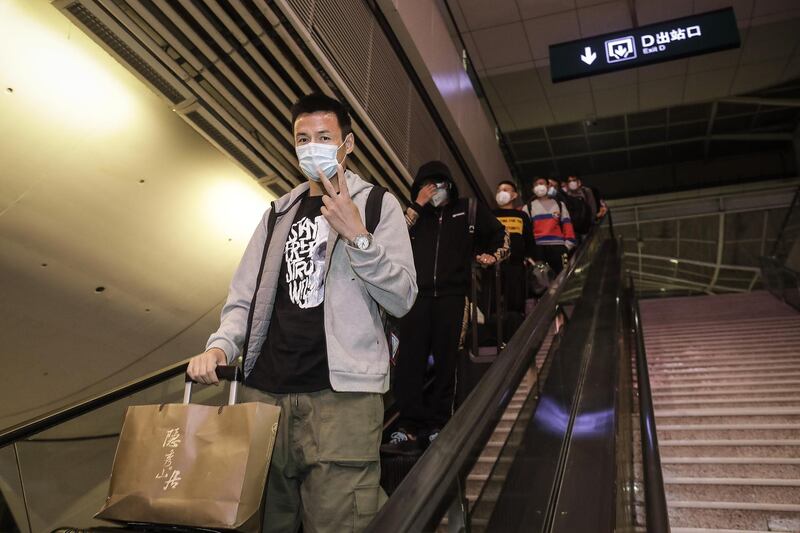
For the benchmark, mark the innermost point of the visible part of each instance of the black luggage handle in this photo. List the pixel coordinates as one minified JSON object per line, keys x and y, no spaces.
{"x":230,"y":373}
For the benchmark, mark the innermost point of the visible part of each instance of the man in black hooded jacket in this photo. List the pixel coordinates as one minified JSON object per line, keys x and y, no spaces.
{"x":444,"y":249}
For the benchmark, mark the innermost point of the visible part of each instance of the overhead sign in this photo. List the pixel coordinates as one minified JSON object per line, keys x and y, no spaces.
{"x":674,"y":39}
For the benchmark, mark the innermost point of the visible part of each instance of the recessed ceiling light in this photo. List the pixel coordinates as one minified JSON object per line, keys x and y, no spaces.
{"x":674,"y":261}
{"x":99,"y":289}
{"x":44,"y":265}
{"x":141,"y":180}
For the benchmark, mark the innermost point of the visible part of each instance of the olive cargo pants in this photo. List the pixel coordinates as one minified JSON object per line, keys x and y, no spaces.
{"x":325,"y":470}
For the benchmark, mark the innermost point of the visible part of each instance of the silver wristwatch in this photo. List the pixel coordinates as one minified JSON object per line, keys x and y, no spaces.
{"x":362,"y":241}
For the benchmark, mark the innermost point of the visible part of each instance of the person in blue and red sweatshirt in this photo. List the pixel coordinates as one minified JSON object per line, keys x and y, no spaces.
{"x":552,"y":227}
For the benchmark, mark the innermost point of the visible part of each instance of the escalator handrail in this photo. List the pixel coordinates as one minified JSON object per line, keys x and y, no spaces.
{"x":422,"y":495}
{"x":655,"y":498}
{"x":40,"y":423}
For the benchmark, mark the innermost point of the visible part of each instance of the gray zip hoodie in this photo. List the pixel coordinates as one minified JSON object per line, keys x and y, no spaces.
{"x":358,"y":283}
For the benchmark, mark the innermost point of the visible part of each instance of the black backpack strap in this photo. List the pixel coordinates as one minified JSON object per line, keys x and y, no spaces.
{"x":272,"y":218}
{"x":372,"y":211}
{"x":472,"y":213}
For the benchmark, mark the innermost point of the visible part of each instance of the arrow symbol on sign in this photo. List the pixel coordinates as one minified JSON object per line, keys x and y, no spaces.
{"x":588,"y":56}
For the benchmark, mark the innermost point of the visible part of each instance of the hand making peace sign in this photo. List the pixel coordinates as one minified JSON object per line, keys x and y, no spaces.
{"x":339,"y":209}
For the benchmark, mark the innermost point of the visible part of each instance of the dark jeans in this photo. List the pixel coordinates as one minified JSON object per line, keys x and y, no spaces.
{"x":553,"y":255}
{"x":433,"y":326}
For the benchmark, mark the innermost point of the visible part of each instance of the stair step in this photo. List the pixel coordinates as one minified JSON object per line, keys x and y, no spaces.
{"x":729,"y":377}
{"x":708,"y":363}
{"x":728,"y":469}
{"x":765,"y":482}
{"x":753,"y":506}
{"x":716,"y":385}
{"x":727,"y":411}
{"x":732,"y":392}
{"x":731,"y":442}
{"x":785,"y":401}
{"x":734,"y":515}
{"x":706,"y":530}
{"x":722,"y":369}
{"x":742,"y":494}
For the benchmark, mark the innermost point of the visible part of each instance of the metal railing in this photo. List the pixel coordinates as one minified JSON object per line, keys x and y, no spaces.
{"x":655,"y":498}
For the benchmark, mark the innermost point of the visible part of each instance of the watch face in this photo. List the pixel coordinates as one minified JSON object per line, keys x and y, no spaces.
{"x":362,"y":242}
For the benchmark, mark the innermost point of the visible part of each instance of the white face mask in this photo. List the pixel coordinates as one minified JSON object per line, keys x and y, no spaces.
{"x":503,"y":197}
{"x":573,"y":185}
{"x":540,"y":191}
{"x":439,"y":197}
{"x":551,"y":192}
{"x":318,"y":155}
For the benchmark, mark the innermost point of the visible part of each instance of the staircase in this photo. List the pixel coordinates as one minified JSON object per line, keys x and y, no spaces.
{"x":725,"y":375}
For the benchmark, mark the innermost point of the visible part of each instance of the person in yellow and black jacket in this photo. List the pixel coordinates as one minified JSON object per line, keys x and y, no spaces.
{"x":522,"y":245}
{"x":448,"y":234}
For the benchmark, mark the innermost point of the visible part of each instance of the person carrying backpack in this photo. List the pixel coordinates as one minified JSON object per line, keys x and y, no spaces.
{"x":448,"y":234}
{"x":583,"y":205}
{"x":552,"y":226}
{"x":305,"y":312}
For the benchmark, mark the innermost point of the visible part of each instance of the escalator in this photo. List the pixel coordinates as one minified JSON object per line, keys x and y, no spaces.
{"x":549,"y":440}
{"x":555,"y":406}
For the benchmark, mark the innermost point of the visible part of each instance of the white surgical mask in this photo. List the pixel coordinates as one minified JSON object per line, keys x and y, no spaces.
{"x":318,"y":155}
{"x":439,"y":197}
{"x":551,"y":192}
{"x":540,"y":191}
{"x":503,"y":197}
{"x":573,"y":185}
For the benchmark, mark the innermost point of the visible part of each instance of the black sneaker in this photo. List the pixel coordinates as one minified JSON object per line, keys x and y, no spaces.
{"x":402,"y":442}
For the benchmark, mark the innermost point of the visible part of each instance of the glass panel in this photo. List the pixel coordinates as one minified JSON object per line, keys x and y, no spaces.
{"x":66,"y":469}
{"x":12,"y":506}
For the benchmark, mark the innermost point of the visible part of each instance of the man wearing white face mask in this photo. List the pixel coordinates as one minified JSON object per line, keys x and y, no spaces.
{"x":304,"y":314}
{"x":522,"y":247}
{"x":552,"y":226}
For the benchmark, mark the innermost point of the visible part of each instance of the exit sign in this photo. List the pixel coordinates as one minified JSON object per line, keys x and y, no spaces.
{"x":674,"y":39}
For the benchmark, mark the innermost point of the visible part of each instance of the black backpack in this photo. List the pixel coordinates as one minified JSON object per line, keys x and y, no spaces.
{"x":579,"y":213}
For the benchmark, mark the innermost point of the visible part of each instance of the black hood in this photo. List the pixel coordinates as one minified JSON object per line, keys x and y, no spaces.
{"x":433,"y":170}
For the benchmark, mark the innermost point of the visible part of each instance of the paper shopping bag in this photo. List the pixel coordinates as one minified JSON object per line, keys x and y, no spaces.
{"x":193,"y":465}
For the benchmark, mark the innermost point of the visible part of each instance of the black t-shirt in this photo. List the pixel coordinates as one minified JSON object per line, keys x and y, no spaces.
{"x":520,"y":233}
{"x":294,"y":356}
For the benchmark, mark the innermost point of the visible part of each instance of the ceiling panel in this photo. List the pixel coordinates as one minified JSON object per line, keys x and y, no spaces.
{"x":616,"y":101}
{"x":537,"y":8}
{"x":518,"y":87}
{"x":660,"y":93}
{"x":770,"y":41}
{"x":481,"y":14}
{"x":604,"y":18}
{"x":652,"y":11}
{"x":614,"y":79}
{"x":502,"y":45}
{"x":570,"y":108}
{"x":715,"y":61}
{"x":544,"y":31}
{"x":708,"y":85}
{"x":757,"y":76}
{"x":742,"y":8}
{"x":528,"y":115}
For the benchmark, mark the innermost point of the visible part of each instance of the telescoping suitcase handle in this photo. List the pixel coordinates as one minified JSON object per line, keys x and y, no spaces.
{"x":231,"y":373}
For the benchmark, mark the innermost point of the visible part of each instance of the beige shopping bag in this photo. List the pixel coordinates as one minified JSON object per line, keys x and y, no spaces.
{"x":193,"y":465}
